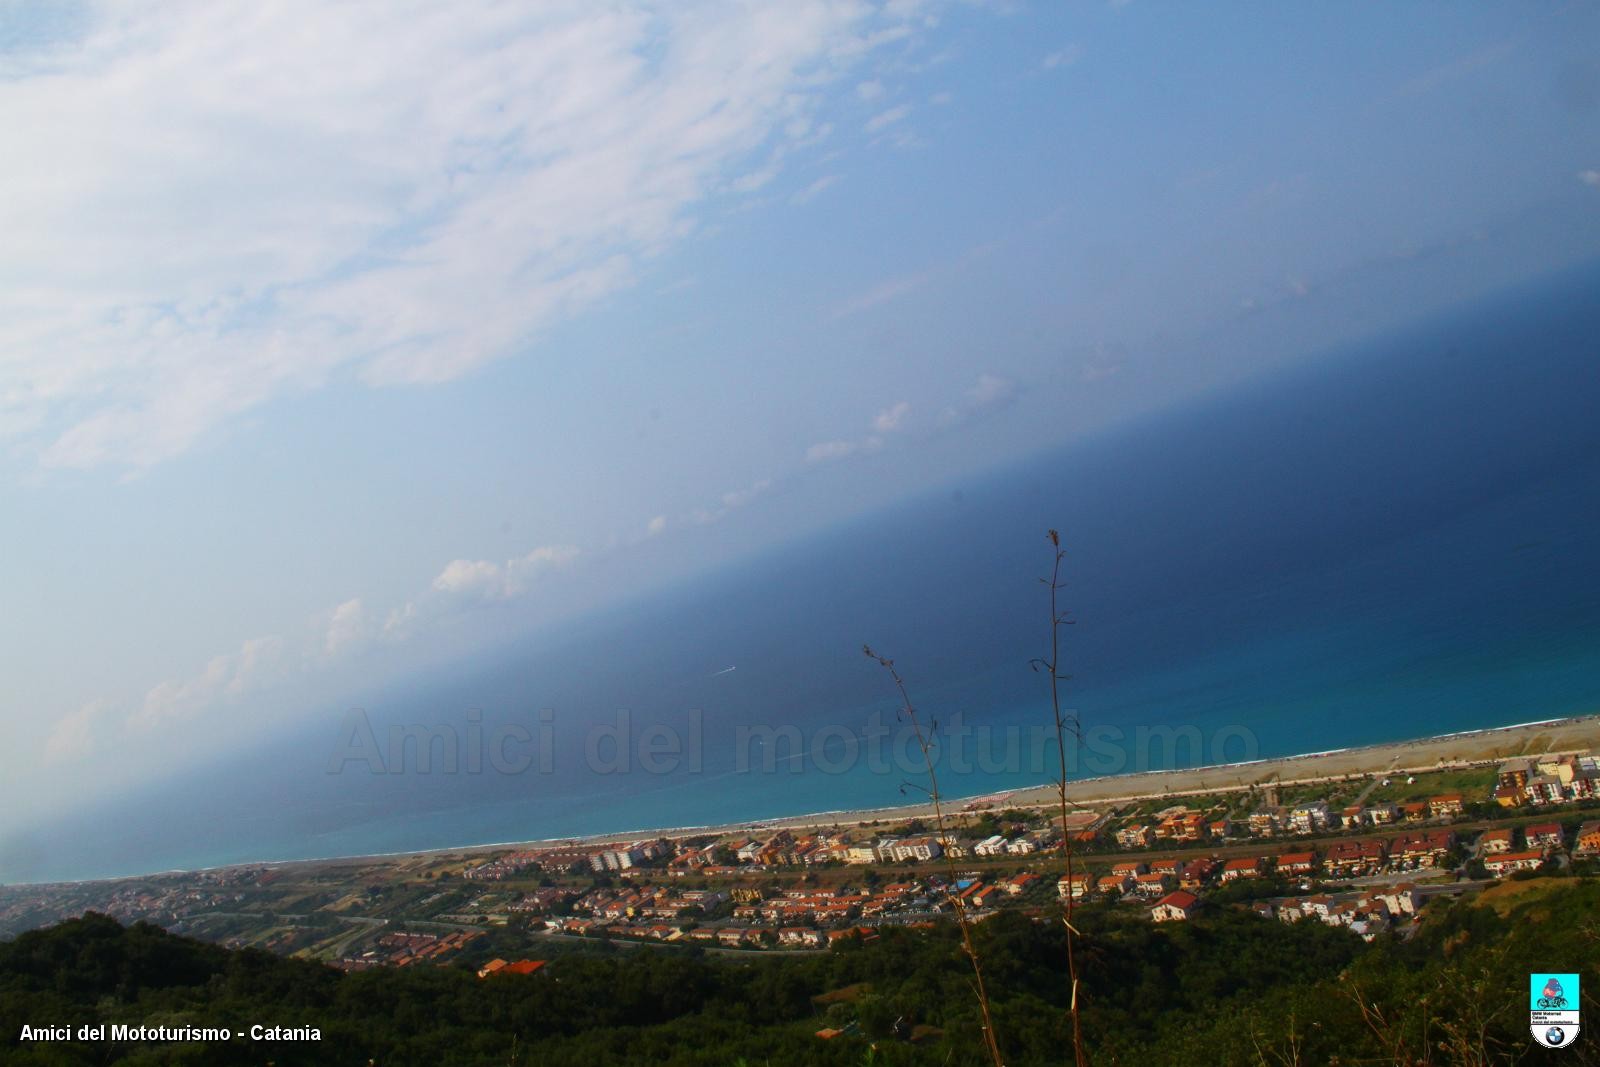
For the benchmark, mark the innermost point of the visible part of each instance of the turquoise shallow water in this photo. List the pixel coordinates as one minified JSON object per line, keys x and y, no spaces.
{"x":1396,"y":542}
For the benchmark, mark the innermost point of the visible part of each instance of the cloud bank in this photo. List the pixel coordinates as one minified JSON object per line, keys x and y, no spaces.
{"x":208,"y":207}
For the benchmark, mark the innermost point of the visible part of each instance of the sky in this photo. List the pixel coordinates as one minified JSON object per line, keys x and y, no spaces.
{"x":338,"y":340}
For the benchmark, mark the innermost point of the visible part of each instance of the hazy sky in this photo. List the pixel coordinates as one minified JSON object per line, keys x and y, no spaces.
{"x":336,"y":337}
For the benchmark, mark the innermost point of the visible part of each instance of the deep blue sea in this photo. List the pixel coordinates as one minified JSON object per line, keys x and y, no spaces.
{"x":1396,"y":540}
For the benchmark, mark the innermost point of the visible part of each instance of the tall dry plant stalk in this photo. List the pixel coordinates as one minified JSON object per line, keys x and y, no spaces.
{"x":925,"y":745}
{"x":1065,"y":724}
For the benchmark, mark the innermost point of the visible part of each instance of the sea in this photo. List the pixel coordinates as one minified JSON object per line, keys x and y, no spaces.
{"x":1395,"y":540}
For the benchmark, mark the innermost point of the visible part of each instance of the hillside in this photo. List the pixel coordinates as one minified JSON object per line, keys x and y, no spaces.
{"x":1230,"y":988}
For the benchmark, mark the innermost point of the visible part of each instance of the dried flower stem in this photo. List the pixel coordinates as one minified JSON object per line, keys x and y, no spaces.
{"x":1065,"y":724}
{"x":925,"y":744}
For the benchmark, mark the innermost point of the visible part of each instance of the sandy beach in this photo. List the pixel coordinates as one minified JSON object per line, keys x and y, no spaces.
{"x":1449,"y":751}
{"x":1446,"y":752}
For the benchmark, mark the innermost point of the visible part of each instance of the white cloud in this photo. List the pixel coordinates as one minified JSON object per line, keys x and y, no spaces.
{"x":225,"y":678}
{"x":940,"y":99}
{"x":738,"y":498}
{"x":205,"y":210}
{"x":1065,"y":57}
{"x":731,"y":500}
{"x":892,"y":418}
{"x":1590,"y":177}
{"x":991,"y":390}
{"x":869,"y":90}
{"x":882,"y":293}
{"x":400,"y":621}
{"x":827,"y":451}
{"x":346,"y":627}
{"x":470,"y":576}
{"x":497,"y":581}
{"x":989,"y":393}
{"x":887,"y":118}
{"x":77,"y":735}
{"x":1462,"y":67}
{"x":885,"y":422}
{"x":815,"y":189}
{"x":656,"y":525}
{"x":261,"y":662}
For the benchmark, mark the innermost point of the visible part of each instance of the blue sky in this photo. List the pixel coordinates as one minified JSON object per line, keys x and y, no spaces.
{"x":339,"y":340}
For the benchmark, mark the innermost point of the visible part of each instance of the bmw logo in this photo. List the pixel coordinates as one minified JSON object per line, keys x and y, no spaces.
{"x":1554,"y":1036}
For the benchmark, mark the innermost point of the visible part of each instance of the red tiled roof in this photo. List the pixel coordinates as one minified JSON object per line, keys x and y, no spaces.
{"x":522,"y":967}
{"x":1513,"y":857}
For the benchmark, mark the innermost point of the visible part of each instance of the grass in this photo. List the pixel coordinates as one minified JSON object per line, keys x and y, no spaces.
{"x":1474,"y":784}
{"x":1505,"y":896}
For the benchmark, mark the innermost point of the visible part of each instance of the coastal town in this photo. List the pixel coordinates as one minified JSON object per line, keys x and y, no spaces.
{"x":1366,"y":852}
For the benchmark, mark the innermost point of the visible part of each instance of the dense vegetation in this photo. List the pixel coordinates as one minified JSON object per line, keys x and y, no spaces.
{"x":1230,"y":988}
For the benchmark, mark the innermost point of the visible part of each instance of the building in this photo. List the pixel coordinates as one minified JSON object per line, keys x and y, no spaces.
{"x":521,"y":967}
{"x":1020,"y":884}
{"x":1309,"y":818}
{"x":1076,"y":888}
{"x":1511,"y":862}
{"x":919,"y":849}
{"x":1446,"y":805}
{"x":1264,"y":822}
{"x":1382,"y":814}
{"x":616,"y":859}
{"x":1025,"y":845}
{"x":985,"y":896}
{"x":1514,"y":774}
{"x":958,"y":848}
{"x":1134,"y":836}
{"x":990,"y":846}
{"x":1353,"y":817}
{"x":1402,"y":899}
{"x":1244,"y":867}
{"x":1345,"y":858}
{"x":1497,"y":842}
{"x":1544,"y":789}
{"x":1565,"y":768}
{"x":1117,"y":884}
{"x":1130,"y":868}
{"x":1297,"y":863}
{"x":1176,"y":906}
{"x":1196,"y":873}
{"x":1546,"y":835}
{"x":1427,"y":848}
{"x":1182,"y":826}
{"x":1589,"y":838}
{"x":1151,"y":884}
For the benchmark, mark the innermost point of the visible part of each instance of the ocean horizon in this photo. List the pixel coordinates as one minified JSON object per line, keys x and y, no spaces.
{"x":1396,"y":541}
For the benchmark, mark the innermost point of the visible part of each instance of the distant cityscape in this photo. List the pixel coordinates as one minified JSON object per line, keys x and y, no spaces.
{"x":1367,"y":853}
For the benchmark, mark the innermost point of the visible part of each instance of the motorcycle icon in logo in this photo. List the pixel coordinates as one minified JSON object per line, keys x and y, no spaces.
{"x":1552,"y":997}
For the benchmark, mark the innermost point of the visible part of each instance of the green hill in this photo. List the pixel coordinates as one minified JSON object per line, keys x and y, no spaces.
{"x":1229,"y":988}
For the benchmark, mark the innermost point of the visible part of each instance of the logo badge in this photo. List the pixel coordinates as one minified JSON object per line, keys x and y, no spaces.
{"x":1553,"y":1008}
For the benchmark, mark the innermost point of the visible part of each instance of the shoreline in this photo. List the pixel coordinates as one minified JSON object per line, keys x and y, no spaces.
{"x":1450,"y":750}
